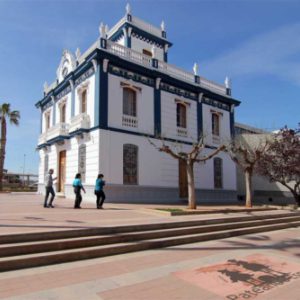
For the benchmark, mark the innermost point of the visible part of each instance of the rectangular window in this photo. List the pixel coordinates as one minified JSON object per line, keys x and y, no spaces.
{"x":129,"y":102}
{"x":83,"y":101}
{"x":47,"y":120}
{"x":215,"y":119}
{"x":63,"y":113}
{"x":147,"y":52}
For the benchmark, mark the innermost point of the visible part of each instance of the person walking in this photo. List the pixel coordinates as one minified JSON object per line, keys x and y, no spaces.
{"x":49,"y":188}
{"x":99,"y":191}
{"x":77,"y":190}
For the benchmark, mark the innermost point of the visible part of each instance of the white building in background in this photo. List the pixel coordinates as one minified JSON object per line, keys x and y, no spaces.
{"x":96,"y":116}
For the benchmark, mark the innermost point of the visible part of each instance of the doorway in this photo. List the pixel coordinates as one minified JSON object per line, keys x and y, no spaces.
{"x":183,"y":182}
{"x":62,"y":171}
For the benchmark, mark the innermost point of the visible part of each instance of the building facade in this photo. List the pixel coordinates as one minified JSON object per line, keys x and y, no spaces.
{"x":106,"y":103}
{"x":264,"y":191}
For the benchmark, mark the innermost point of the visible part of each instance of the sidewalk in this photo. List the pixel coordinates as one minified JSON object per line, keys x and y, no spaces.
{"x":260,"y":266}
{"x":25,"y":213}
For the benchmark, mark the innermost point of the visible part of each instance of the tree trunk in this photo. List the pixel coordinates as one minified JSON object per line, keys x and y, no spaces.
{"x":248,"y":178}
{"x":2,"y":149}
{"x":191,"y":184}
{"x":297,"y":197}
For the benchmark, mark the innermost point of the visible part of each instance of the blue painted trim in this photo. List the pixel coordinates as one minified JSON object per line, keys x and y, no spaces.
{"x":74,"y":133}
{"x":128,"y":41}
{"x":157,"y":112}
{"x":97,"y":96}
{"x":73,"y":102}
{"x":154,"y":63}
{"x":103,"y":103}
{"x":232,"y":124}
{"x":100,"y":54}
{"x":166,"y":57}
{"x":53,"y":114}
{"x":159,"y":40}
{"x":199,"y":119}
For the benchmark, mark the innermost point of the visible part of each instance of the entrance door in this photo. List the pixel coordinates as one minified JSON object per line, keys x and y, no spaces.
{"x":62,"y":171}
{"x":183,"y":183}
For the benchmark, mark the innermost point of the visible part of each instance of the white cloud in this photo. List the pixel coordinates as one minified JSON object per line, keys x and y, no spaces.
{"x":276,"y":52}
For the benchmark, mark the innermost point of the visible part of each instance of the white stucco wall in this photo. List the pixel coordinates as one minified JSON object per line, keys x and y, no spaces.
{"x":139,"y":45}
{"x":156,"y":168}
{"x":145,"y":105}
{"x":90,"y":84}
{"x":207,"y":124}
{"x":168,"y":117}
{"x":91,"y":140}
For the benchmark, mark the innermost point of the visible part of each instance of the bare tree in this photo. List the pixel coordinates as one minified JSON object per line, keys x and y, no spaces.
{"x":246,"y":150}
{"x":190,"y":158}
{"x":282,"y":161}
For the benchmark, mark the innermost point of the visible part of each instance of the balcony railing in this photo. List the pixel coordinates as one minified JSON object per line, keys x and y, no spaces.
{"x":81,"y":121}
{"x":146,"y":61}
{"x":43,"y":138}
{"x":182,"y":132}
{"x":130,"y":121}
{"x":129,"y":54}
{"x":60,"y":129}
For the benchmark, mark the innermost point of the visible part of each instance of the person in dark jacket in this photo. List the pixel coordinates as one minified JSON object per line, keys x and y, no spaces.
{"x":77,"y":190}
{"x":99,"y":191}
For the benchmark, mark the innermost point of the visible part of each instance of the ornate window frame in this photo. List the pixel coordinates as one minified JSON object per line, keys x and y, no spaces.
{"x":81,"y":89}
{"x":130,"y":164}
{"x":62,"y":104}
{"x":82,"y":161}
{"x":218,"y":172}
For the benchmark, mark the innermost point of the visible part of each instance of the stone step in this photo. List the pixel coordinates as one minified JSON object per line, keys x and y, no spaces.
{"x":73,"y":233}
{"x":84,"y":242}
{"x":63,"y":256}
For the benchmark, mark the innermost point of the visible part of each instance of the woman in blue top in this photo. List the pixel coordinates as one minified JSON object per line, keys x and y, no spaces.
{"x":99,"y":191}
{"x":77,"y":190}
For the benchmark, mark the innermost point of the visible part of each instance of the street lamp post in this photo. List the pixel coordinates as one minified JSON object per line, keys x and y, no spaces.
{"x":24,"y":169}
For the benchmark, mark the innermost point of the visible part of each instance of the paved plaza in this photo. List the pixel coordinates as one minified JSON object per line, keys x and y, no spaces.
{"x":257,"y":266}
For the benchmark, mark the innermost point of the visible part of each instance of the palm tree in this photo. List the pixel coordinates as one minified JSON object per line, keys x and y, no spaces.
{"x":13,"y":117}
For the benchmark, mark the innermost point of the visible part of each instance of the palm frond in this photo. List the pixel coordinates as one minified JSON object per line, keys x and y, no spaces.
{"x":14,"y":117}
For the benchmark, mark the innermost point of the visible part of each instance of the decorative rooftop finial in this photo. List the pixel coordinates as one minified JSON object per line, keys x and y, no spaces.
{"x":102,"y":31}
{"x":196,"y":69}
{"x":45,"y":86}
{"x":153,"y":50}
{"x":77,"y":53}
{"x":106,"y":29}
{"x":128,"y":9}
{"x":227,"y":82}
{"x":163,"y":26}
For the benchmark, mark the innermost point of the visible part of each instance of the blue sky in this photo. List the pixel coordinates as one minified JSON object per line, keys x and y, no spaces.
{"x":256,"y":43}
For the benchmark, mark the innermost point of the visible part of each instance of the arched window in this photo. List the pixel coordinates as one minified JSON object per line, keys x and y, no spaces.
{"x":129,"y":102}
{"x":181,"y":115}
{"x":83,"y":101}
{"x":63,"y":113}
{"x":218,"y":173}
{"x":47,"y":120}
{"x":130,"y":164}
{"x":82,"y":161}
{"x":215,"y":124}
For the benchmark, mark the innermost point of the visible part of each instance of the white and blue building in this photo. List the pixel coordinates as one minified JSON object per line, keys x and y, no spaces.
{"x":104,"y":103}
